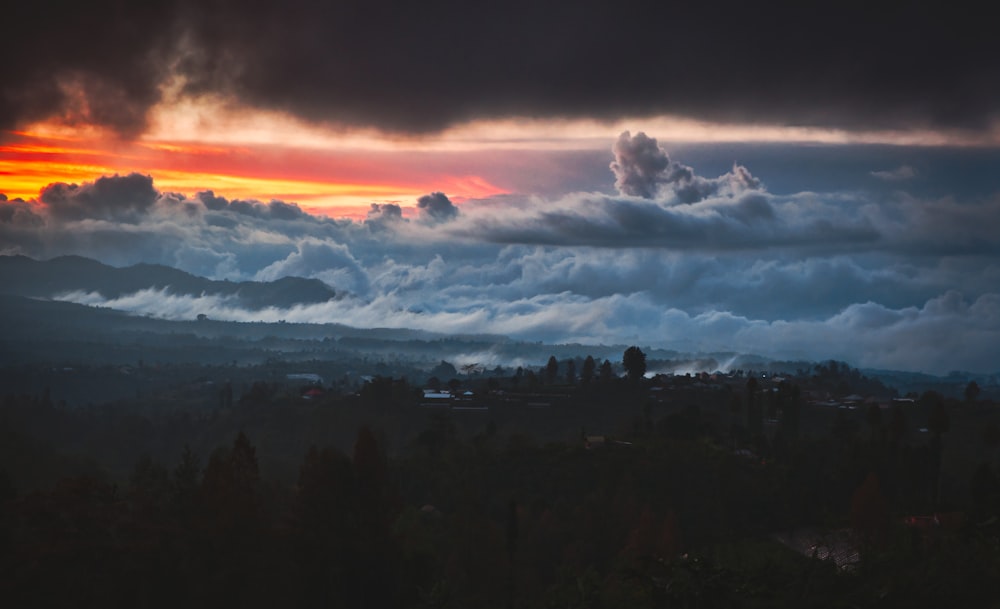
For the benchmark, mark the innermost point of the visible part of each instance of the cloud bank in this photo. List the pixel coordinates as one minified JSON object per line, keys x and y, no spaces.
{"x":882,"y":280}
{"x":421,"y":68}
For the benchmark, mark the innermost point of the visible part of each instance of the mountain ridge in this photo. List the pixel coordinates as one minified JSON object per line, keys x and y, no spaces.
{"x":24,"y":276}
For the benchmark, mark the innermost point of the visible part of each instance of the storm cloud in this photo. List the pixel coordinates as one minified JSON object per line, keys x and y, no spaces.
{"x":424,"y":67}
{"x":121,"y":198}
{"x":436,"y":207}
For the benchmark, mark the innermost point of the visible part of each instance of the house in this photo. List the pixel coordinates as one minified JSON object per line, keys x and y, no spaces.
{"x":308,"y":377}
{"x":837,"y":546}
{"x":436,"y":398}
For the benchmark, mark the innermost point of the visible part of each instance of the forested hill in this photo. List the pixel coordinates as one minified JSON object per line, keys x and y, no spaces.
{"x":25,"y":276}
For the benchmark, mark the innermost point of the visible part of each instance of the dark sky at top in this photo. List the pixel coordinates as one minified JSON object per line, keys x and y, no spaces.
{"x":421,"y":66}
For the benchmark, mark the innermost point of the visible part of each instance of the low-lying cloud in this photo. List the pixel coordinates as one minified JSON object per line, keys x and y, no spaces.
{"x":862,"y":277}
{"x":948,"y":332}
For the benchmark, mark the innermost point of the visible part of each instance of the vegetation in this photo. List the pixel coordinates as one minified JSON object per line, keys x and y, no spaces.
{"x":598,"y":491}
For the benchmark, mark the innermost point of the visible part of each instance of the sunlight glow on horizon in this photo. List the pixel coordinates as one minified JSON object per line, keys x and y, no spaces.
{"x":207,"y":144}
{"x":34,"y":160}
{"x":215,"y":121}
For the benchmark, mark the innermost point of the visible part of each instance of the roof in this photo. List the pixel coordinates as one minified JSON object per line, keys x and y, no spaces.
{"x":305,"y":376}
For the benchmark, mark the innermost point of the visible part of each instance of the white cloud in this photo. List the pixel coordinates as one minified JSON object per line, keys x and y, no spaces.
{"x":903,"y":172}
{"x":947,"y":332}
{"x":889,"y":280}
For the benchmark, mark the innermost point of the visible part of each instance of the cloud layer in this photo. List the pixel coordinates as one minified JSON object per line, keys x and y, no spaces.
{"x":423,"y":67}
{"x":887,"y":280}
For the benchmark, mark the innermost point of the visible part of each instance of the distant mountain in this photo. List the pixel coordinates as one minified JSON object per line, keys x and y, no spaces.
{"x":23,"y":276}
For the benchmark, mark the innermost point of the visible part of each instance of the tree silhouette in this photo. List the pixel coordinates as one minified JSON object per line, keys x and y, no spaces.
{"x":791,"y":408}
{"x":938,"y":421}
{"x":327,"y":538}
{"x":589,"y":368}
{"x":570,"y":372}
{"x":755,"y":414}
{"x":897,"y":427}
{"x":991,"y":435}
{"x":372,"y":521}
{"x":551,"y":369}
{"x":634,"y":361}
{"x":869,"y":511}
{"x":186,"y":484}
{"x":606,"y":374}
{"x":230,"y":486}
{"x":971,"y":391}
{"x":874,"y":418}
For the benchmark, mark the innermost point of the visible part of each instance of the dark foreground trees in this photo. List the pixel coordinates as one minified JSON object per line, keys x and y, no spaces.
{"x":670,"y":515}
{"x":634,"y":361}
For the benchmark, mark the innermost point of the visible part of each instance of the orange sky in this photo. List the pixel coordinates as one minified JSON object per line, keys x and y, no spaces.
{"x":332,"y":182}
{"x":194,"y":145}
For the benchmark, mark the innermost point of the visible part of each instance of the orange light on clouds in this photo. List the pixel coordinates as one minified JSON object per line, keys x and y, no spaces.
{"x":208,"y":144}
{"x":335,"y":183}
{"x":216,"y":121}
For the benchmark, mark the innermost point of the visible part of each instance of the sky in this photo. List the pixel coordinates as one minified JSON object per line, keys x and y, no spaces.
{"x":727,"y":176}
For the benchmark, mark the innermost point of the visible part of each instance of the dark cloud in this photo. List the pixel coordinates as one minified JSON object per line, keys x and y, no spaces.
{"x":749,"y":222}
{"x":385,"y":211}
{"x":436,"y":207}
{"x":383,"y":215}
{"x":210,"y":201}
{"x":275,"y":210}
{"x":123,"y":198}
{"x":99,"y":62}
{"x":18,"y":212}
{"x":279,"y":210}
{"x":422,"y":67}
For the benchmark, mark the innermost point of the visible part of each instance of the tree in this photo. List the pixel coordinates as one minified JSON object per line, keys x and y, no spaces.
{"x":991,"y":435}
{"x":634,"y":361}
{"x":606,"y":373}
{"x":186,"y":483}
{"x":791,"y":408}
{"x":589,"y":367}
{"x":897,"y":426}
{"x":326,"y":537}
{"x":869,"y":512}
{"x":938,"y":421}
{"x":874,"y":418}
{"x":444,"y":370}
{"x":149,"y":486}
{"x":570,"y":372}
{"x":375,"y":506}
{"x":971,"y":391}
{"x":552,"y":369}
{"x":755,"y":414}
{"x":231,"y":486}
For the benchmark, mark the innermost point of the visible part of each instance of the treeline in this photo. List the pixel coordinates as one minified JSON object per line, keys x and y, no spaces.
{"x":667,"y":515}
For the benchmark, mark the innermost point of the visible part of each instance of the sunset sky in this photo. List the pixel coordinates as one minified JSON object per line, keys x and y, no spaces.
{"x":783,"y":180}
